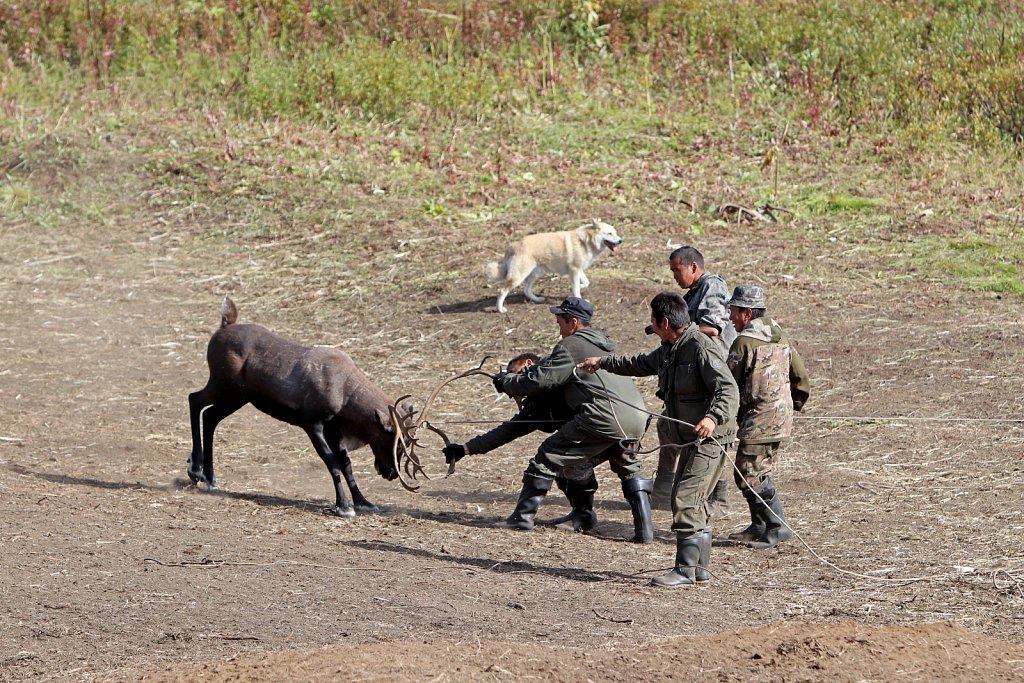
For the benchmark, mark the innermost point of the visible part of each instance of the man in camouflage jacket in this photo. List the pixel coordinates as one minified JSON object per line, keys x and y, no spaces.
{"x":701,"y":400}
{"x":773,"y":383}
{"x":607,"y":424}
{"x":706,"y":297}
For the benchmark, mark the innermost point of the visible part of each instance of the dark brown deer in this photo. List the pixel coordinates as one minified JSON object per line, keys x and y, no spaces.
{"x":316,"y":388}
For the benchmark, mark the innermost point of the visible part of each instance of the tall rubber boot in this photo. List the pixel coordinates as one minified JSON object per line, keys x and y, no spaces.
{"x":664,"y":478}
{"x":687,"y":561}
{"x":581,"y":499}
{"x":757,"y":523}
{"x":718,"y":502}
{"x":701,"y":574}
{"x":776,"y":530}
{"x":638,"y":492}
{"x":535,"y":487}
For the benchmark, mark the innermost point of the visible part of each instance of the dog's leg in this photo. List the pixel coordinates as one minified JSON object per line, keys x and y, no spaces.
{"x":584,"y":282}
{"x":501,"y":301}
{"x":576,"y":276}
{"x":528,"y":285}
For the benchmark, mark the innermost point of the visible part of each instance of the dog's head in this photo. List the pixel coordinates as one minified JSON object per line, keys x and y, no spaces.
{"x":604,"y":235}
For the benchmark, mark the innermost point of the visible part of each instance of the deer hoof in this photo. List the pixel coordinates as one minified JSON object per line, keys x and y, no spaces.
{"x":367,"y":508}
{"x":195,"y":476}
{"x":348,"y":513}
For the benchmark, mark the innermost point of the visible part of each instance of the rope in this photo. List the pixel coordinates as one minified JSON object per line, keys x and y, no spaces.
{"x":824,"y":418}
{"x":905,"y":419}
{"x":628,"y":444}
{"x":811,"y":550}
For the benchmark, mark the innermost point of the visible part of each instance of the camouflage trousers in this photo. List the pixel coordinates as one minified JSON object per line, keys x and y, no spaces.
{"x":755,"y":461}
{"x":700,"y":468}
{"x":573,"y":452}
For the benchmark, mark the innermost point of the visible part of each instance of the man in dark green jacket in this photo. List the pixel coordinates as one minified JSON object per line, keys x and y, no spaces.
{"x":706,"y":296}
{"x":701,"y":400}
{"x":608,"y":420}
{"x":773,"y":383}
{"x":545,"y":413}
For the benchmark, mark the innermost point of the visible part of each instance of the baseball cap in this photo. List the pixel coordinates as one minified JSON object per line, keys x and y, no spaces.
{"x":575,"y":307}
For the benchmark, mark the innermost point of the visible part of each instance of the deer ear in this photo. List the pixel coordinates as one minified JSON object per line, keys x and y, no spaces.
{"x":384,"y":421}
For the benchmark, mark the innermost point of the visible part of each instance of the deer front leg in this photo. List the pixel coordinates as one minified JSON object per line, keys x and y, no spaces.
{"x":361,"y":503}
{"x":334,"y":439}
{"x":342,"y":507}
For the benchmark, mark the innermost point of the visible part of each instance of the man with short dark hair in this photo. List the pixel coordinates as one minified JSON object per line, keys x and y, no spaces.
{"x":705,"y":300}
{"x":607,"y":423}
{"x":773,"y":384}
{"x":701,"y":400}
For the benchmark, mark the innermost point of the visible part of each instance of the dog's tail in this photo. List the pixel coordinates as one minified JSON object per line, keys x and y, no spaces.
{"x":495,"y":271}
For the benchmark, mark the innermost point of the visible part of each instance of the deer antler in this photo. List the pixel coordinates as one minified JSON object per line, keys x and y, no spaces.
{"x":478,"y":370}
{"x":405,"y":436}
{"x":405,"y":430}
{"x":447,"y":442}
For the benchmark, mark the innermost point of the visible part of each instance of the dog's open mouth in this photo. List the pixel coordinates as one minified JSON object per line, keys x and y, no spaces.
{"x":612,"y":246}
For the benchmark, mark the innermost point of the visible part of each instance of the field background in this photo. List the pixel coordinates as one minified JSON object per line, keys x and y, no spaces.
{"x":344,"y":170}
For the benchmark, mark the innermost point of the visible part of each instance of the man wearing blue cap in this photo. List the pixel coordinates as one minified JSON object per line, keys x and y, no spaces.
{"x":607,"y":424}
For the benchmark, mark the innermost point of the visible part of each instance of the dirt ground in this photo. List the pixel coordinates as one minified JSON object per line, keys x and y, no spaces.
{"x":910,"y":562}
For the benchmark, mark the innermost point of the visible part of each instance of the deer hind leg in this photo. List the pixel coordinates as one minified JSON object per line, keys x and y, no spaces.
{"x":197,"y":402}
{"x":211,"y":417}
{"x":336,"y":463}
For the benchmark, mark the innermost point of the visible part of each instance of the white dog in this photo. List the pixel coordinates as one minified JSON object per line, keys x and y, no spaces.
{"x":569,"y":252}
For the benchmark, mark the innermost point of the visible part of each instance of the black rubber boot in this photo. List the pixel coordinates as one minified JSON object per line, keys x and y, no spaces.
{"x":757,"y":523}
{"x":701,"y":574}
{"x":581,"y":499}
{"x":638,"y":493}
{"x":535,"y":487}
{"x":776,"y":530}
{"x":718,"y":502}
{"x":687,"y":561}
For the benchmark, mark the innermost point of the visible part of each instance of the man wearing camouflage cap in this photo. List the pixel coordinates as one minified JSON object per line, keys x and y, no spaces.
{"x":773,"y":383}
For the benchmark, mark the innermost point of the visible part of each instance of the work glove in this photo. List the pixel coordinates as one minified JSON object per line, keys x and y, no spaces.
{"x":453,"y":453}
{"x":499,"y":382}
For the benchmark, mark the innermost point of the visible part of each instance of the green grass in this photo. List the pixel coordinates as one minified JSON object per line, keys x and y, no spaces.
{"x":824,"y":203}
{"x":995,"y":265}
{"x":259,"y":122}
